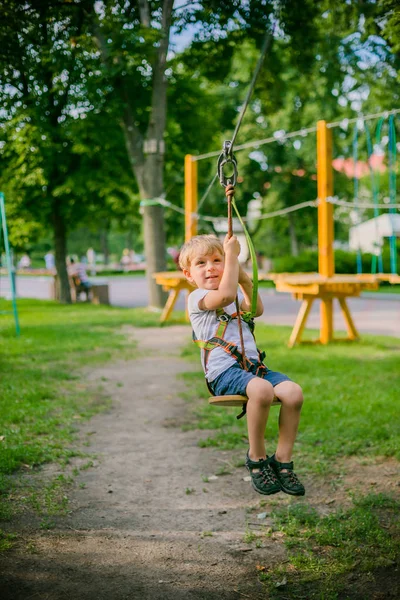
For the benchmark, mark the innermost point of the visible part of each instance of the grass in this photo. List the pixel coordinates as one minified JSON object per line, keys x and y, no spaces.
{"x":323,"y":553}
{"x":387,"y":289}
{"x":43,"y":394}
{"x":351,"y":409}
{"x":351,"y":398}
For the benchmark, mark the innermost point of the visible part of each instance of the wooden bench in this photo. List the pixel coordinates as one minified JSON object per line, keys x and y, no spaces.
{"x":98,"y":293}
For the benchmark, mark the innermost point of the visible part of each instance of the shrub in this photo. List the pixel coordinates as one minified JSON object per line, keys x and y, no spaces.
{"x":345,"y":262}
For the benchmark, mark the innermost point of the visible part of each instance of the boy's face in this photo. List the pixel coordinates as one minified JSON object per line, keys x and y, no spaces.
{"x":206,"y":270}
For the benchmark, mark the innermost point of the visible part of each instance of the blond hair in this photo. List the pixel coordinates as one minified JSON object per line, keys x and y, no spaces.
{"x":200,"y":244}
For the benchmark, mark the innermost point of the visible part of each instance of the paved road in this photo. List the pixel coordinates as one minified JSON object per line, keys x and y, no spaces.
{"x":372,"y":314}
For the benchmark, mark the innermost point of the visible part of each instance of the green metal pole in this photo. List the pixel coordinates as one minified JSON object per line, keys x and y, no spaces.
{"x":9,"y":263}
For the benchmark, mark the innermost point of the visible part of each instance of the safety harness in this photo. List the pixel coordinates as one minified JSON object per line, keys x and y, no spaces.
{"x":218,"y":341}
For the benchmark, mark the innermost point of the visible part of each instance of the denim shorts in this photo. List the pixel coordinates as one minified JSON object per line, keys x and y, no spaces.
{"x":235,"y":379}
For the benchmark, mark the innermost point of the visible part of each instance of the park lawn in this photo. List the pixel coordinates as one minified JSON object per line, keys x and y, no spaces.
{"x":351,"y":409}
{"x":43,"y":395}
{"x":351,"y":395}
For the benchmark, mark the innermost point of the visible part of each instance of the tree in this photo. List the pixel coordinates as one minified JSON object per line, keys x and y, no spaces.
{"x":47,"y":166}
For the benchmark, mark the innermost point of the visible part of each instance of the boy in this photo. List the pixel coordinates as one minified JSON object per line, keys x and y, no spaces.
{"x":214,"y":269}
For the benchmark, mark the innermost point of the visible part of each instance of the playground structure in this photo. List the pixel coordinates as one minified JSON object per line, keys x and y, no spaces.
{"x":4,"y":230}
{"x":324,"y":285}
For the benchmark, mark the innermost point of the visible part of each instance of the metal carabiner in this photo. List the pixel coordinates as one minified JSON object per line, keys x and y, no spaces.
{"x":227,"y":157}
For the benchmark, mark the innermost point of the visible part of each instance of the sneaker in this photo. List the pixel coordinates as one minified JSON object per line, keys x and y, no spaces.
{"x":263,"y":479}
{"x":288,"y":480}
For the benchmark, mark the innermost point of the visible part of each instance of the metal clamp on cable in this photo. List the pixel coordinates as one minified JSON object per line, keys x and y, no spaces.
{"x":226,"y":157}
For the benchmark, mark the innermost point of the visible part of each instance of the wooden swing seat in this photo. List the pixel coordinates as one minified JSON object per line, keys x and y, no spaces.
{"x":233,"y":400}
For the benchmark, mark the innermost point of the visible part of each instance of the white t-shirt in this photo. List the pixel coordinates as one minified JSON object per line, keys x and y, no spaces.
{"x":205,"y":325}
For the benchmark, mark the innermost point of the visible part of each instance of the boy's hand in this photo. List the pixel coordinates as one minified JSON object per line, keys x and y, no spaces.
{"x":231,"y":245}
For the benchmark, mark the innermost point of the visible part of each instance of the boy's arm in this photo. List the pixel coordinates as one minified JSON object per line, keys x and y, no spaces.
{"x":227,"y":289}
{"x":246,"y":286}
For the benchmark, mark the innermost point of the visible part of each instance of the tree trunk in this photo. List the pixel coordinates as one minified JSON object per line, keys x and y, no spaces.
{"x":147,"y":156}
{"x":153,"y":228}
{"x":129,"y":239}
{"x":294,"y":246}
{"x":60,"y":246}
{"x":104,"y":245}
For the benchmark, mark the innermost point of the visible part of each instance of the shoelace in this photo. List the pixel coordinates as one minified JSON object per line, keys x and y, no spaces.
{"x":292,"y":476}
{"x":268,"y":475}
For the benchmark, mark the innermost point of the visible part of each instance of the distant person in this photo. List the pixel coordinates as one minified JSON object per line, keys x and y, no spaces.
{"x":24,"y":262}
{"x":79,"y":276}
{"x":49,"y":260}
{"x":174,"y":254}
{"x":91,"y":258}
{"x":126,"y":260}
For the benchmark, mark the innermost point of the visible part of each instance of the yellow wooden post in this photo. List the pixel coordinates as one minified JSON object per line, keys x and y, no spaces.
{"x":326,"y":264}
{"x":190,"y":197}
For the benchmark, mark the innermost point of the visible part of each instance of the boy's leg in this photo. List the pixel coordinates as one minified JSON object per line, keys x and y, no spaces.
{"x":291,"y":397}
{"x":260,"y":395}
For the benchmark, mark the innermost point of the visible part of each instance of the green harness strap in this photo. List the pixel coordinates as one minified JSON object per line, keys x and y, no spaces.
{"x":253,"y":261}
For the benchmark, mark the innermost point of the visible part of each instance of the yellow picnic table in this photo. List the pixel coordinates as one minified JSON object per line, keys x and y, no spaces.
{"x":173,"y":282}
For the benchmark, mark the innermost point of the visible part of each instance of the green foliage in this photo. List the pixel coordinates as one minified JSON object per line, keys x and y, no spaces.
{"x":64,"y":153}
{"x":304,"y":262}
{"x":345,"y":262}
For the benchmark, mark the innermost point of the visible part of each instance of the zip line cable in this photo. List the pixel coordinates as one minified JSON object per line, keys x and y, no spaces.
{"x":255,"y":144}
{"x":264,"y":48}
{"x":300,"y":132}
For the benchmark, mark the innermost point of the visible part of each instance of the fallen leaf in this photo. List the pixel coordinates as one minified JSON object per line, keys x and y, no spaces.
{"x":281,"y":583}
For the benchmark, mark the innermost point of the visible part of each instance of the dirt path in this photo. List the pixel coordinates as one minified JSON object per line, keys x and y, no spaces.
{"x":134,"y":530}
{"x":141,"y":527}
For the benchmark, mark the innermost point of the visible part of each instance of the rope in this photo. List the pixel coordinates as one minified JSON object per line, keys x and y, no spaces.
{"x":334,"y":200}
{"x":229,"y":192}
{"x":378,"y":133}
{"x":384,"y":114}
{"x":253,"y":261}
{"x":275,"y":213}
{"x":392,"y":191}
{"x":355,"y":181}
{"x":375,"y":199}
